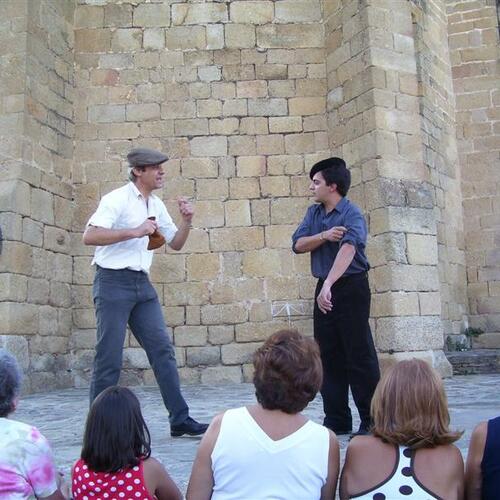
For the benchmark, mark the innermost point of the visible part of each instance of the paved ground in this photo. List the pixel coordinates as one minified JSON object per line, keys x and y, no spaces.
{"x":61,"y":416}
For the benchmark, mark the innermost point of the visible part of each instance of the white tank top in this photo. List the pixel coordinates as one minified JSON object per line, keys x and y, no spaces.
{"x":401,"y":484}
{"x":248,"y":465}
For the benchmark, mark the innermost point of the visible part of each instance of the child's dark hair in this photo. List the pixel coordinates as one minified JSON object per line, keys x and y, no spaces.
{"x":116,"y":435}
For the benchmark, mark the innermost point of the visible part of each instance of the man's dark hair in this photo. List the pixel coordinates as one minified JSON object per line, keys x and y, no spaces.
{"x":288,"y":372}
{"x":116,"y":435}
{"x":334,"y":170}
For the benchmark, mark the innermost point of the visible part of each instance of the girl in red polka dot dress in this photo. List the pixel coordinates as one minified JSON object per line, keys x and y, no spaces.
{"x":116,"y":462}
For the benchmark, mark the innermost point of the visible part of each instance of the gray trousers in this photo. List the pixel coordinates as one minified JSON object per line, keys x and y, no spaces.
{"x":124,"y":296}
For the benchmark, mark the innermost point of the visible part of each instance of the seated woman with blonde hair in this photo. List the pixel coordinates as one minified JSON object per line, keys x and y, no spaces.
{"x":269,"y":450}
{"x":410,"y":454}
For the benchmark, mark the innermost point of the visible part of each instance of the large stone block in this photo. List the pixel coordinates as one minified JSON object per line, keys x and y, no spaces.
{"x":201,"y":267}
{"x":234,"y":354}
{"x":240,"y":35}
{"x":209,"y":146}
{"x":15,"y":197}
{"x":409,"y":333}
{"x":422,"y":249}
{"x":209,"y":214}
{"x":405,"y":277}
{"x":205,"y":356}
{"x":253,"y":332}
{"x":17,"y":258}
{"x":223,"y":314}
{"x":237,"y":213}
{"x":212,"y":189}
{"x":168,"y":268}
{"x":232,"y":290}
{"x":151,"y":15}
{"x":274,"y":186}
{"x":181,"y":294}
{"x":251,"y":12}
{"x":18,"y":318}
{"x":185,"y":38}
{"x":221,"y":334}
{"x":290,"y":36}
{"x":185,"y":14}
{"x":237,"y":238}
{"x":221,"y":375}
{"x":279,"y":236}
{"x":297,"y":11}
{"x":13,"y":287}
{"x":244,"y":188}
{"x":190,"y":335}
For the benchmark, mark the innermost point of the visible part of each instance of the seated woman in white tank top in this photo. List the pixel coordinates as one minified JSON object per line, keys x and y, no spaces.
{"x":410,"y":454}
{"x":270,"y":450}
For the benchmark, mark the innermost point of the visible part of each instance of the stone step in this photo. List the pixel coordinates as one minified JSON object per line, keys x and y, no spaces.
{"x":475,"y":361}
{"x":486,"y":341}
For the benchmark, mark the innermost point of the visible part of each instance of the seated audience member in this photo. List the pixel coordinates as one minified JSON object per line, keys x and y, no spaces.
{"x":27,"y":468}
{"x":116,"y":457}
{"x":270,"y":450}
{"x":482,"y":471}
{"x":410,"y":454}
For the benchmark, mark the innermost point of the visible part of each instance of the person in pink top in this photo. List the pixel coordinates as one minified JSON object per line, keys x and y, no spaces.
{"x":116,"y":460}
{"x":27,"y":468}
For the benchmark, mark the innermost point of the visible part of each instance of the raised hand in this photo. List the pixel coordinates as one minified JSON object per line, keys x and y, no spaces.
{"x":186,"y":209}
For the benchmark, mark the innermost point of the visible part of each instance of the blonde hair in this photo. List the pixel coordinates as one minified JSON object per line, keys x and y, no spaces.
{"x":409,"y":407}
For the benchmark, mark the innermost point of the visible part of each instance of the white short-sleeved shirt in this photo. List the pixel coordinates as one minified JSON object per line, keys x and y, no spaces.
{"x":126,"y":208}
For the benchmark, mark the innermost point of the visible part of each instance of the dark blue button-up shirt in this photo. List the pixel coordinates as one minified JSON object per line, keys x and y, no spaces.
{"x":317,"y":220}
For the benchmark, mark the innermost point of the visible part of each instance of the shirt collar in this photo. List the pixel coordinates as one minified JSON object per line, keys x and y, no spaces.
{"x":134,"y":190}
{"x":341,"y":205}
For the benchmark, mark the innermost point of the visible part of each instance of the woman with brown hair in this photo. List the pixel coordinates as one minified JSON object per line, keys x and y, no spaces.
{"x":410,"y":454}
{"x":269,"y":450}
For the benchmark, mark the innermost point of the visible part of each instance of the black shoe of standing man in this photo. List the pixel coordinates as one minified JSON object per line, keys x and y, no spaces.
{"x":190,"y":427}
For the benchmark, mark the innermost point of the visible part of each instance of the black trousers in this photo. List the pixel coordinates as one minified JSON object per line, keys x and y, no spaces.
{"x":347,"y":352}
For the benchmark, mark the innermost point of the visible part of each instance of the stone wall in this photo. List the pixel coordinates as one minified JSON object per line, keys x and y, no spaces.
{"x":475,"y":54}
{"x":235,"y":93}
{"x":36,"y":151}
{"x":245,"y":96}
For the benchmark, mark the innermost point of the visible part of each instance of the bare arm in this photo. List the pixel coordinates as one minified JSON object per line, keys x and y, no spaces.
{"x":158,"y":481}
{"x":473,"y":476}
{"x":340,"y":264}
{"x":187,"y":212}
{"x":201,"y":482}
{"x":310,"y":243}
{"x":328,"y":490}
{"x":101,"y":236}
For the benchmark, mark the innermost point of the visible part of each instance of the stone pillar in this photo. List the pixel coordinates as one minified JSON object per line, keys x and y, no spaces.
{"x":375,"y":124}
{"x":475,"y":52}
{"x":36,"y":134}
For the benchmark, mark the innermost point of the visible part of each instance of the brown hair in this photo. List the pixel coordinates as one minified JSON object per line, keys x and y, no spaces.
{"x":288,"y":372}
{"x":409,"y":407}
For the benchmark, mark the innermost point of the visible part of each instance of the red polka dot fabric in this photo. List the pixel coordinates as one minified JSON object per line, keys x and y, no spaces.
{"x":126,"y":484}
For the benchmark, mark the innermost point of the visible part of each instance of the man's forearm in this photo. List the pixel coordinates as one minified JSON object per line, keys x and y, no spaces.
{"x":340,"y":264}
{"x":309,"y":243}
{"x":180,"y":236}
{"x":100,"y":236}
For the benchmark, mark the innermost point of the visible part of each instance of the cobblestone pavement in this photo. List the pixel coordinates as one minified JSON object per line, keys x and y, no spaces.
{"x":61,"y":416}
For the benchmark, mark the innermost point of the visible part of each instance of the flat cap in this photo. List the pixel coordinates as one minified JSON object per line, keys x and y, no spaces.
{"x":142,"y":157}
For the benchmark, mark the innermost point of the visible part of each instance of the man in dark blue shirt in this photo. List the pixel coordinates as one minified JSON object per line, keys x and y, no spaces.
{"x":334,"y":231}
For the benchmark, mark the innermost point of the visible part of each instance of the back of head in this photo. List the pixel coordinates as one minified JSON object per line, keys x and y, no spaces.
{"x":409,"y":407}
{"x":10,"y":382}
{"x":116,"y":435}
{"x":334,"y":170}
{"x":288,"y":372}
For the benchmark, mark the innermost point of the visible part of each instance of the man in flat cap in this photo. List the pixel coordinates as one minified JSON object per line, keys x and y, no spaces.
{"x":334,"y":231}
{"x":121,"y":229}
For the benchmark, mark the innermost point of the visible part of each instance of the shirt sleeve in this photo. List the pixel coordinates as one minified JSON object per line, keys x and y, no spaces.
{"x":304,"y":228}
{"x":165,"y":222}
{"x":40,"y":468}
{"x":356,"y":229}
{"x":106,"y":215}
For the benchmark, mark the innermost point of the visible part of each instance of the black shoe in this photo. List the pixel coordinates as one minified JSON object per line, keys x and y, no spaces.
{"x":190,"y":427}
